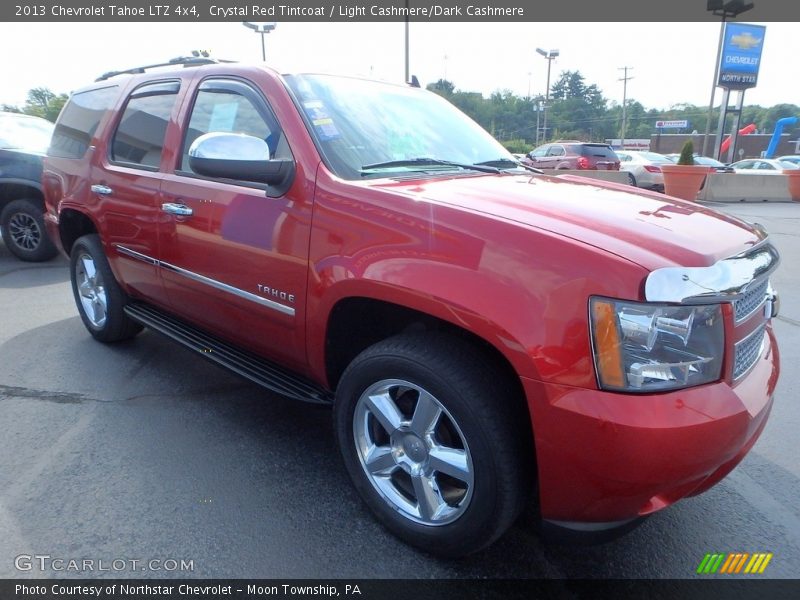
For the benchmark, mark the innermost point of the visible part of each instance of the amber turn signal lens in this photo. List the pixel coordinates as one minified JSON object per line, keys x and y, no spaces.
{"x":607,"y":346}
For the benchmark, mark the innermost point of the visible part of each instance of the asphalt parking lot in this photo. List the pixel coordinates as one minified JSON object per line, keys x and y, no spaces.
{"x":143,"y":451}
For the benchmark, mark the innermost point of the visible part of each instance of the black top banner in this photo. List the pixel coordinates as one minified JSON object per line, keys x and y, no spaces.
{"x":398,"y":10}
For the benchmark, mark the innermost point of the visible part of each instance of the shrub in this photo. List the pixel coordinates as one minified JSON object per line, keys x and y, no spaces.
{"x":518,"y":146}
{"x":687,"y":154}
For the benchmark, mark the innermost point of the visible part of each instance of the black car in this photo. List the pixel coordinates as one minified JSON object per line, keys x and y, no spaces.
{"x":23,"y":142}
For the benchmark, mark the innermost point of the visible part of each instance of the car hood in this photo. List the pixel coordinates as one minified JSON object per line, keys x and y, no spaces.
{"x":649,"y":229}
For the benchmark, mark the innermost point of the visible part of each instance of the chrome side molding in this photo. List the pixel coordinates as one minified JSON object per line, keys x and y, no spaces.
{"x":725,"y":281}
{"x":277,"y":306}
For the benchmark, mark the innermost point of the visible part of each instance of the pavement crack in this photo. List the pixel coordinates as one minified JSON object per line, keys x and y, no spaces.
{"x":10,"y":391}
{"x":21,"y":269}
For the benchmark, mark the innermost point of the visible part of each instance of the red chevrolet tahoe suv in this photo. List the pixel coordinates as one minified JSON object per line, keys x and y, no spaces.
{"x":488,"y":337}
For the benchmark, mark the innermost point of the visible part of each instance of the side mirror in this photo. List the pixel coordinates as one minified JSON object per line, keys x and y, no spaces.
{"x":238,"y":156}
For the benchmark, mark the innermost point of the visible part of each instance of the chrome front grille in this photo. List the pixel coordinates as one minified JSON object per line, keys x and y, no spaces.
{"x":750,"y":301}
{"x":747,"y":351}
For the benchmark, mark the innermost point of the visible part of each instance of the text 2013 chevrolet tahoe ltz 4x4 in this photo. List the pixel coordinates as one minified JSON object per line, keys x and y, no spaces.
{"x":488,"y":337}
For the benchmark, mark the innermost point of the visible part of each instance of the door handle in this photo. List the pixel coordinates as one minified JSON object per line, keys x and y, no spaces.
{"x":176,"y":209}
{"x":103,"y":190}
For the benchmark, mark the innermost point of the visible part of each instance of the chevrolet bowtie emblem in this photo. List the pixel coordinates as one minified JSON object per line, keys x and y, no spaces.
{"x":745,"y":41}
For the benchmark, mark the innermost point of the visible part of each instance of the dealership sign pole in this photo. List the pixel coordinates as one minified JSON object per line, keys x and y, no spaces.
{"x":738,"y":70}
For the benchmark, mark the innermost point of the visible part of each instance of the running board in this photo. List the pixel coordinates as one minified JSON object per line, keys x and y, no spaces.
{"x":250,"y":366}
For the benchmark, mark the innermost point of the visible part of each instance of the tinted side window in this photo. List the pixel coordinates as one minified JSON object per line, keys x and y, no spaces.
{"x":540,"y":151}
{"x":139,"y":138}
{"x":79,"y":120}
{"x":220,"y":106}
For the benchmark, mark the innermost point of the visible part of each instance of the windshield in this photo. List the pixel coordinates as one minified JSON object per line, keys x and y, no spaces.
{"x":26,"y":133}
{"x":371,"y":129}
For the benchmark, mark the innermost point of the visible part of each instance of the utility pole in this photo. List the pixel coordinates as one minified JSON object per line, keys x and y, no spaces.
{"x":408,"y":68}
{"x":624,"y":81}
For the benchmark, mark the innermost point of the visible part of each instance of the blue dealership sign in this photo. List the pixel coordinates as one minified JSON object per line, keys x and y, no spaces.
{"x":741,"y":55}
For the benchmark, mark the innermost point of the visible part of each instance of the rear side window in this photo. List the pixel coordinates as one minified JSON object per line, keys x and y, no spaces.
{"x":598,"y":151}
{"x":139,"y":138}
{"x":79,"y":120}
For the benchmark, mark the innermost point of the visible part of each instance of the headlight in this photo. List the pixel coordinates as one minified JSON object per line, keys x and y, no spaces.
{"x":643,"y":347}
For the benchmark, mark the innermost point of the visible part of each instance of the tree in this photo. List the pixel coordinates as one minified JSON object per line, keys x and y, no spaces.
{"x":41,"y":102}
{"x":443,"y":87}
{"x":571,"y":84}
{"x":577,"y":110}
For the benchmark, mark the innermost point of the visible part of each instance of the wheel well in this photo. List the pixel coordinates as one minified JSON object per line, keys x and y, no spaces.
{"x":357,"y":323}
{"x":72,"y":225}
{"x":18,"y":191}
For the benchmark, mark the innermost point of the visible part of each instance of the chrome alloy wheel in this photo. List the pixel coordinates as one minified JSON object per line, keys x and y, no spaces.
{"x":24,"y":231}
{"x":413,"y":452}
{"x":92,"y":291}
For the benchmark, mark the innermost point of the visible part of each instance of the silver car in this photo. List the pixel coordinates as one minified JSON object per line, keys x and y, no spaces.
{"x":643,"y":168}
{"x":763,"y":166}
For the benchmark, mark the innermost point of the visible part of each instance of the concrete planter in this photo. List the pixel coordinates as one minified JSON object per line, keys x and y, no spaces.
{"x":794,"y":183}
{"x":684,"y":181}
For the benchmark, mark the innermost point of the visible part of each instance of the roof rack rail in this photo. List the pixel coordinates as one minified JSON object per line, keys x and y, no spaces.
{"x":186,"y":61}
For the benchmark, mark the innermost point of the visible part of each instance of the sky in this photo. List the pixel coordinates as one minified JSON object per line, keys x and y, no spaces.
{"x":672,"y":63}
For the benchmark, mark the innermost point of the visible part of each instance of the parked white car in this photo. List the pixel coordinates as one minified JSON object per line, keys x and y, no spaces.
{"x":643,"y":168}
{"x":763,"y":166}
{"x":792,"y":158}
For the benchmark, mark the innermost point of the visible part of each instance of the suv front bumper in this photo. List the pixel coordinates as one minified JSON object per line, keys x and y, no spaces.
{"x":606,"y":458}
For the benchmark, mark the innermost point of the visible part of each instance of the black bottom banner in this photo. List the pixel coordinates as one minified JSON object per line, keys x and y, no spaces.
{"x":369,"y":589}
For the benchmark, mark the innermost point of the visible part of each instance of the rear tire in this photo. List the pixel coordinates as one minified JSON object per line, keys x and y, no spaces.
{"x":631,"y":179}
{"x":98,"y":296}
{"x":433,"y":440}
{"x":24,"y":232}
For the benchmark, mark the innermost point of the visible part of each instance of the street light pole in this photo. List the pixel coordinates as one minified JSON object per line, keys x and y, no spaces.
{"x":263,"y":29}
{"x":549,"y":55}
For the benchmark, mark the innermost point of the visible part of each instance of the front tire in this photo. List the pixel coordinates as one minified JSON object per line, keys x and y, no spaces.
{"x":98,"y":296}
{"x":24,"y":231}
{"x":433,"y":440}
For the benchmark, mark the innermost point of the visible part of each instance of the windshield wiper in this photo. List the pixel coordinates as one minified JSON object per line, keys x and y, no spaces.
{"x":424,"y":161}
{"x":499,"y":162}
